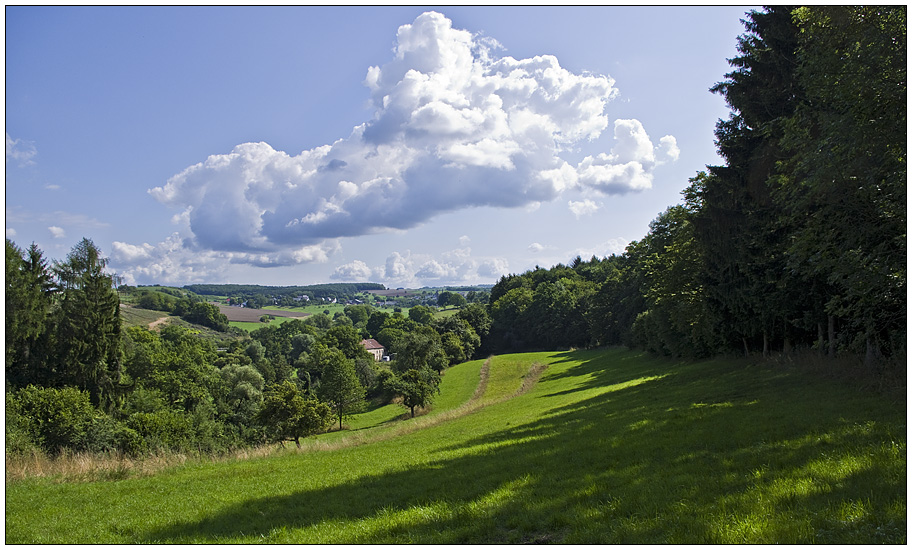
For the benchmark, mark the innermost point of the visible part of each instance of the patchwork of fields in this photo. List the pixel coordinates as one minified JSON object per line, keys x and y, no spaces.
{"x":606,"y":446}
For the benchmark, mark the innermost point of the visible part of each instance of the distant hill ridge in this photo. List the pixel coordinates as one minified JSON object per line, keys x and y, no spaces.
{"x":227,"y":289}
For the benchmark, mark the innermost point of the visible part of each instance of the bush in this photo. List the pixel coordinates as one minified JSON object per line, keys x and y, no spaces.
{"x":105,"y":434}
{"x":163,"y":429}
{"x":50,"y":418}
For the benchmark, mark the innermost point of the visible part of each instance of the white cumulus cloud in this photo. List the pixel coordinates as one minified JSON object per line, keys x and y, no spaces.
{"x":583,"y":207}
{"x":177,"y":260}
{"x":630,"y":165}
{"x":356,"y":271}
{"x":57,"y":232}
{"x":454,"y":126}
{"x":407,"y":269}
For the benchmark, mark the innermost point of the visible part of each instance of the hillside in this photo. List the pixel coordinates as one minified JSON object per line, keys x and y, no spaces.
{"x":605,"y":447}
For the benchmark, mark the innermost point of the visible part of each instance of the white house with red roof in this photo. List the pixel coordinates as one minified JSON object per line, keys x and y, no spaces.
{"x":375,"y":347}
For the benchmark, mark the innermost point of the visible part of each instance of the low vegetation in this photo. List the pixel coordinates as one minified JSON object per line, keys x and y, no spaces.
{"x":606,"y":447}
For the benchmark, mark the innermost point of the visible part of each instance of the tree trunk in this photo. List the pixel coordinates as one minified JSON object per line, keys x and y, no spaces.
{"x":746,"y":349}
{"x":765,"y":344}
{"x":820,"y":339}
{"x":831,"y":335}
{"x":871,"y":350}
{"x":786,"y":344}
{"x":413,"y":411}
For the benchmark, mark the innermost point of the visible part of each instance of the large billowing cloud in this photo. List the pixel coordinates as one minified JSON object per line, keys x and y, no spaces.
{"x":454,"y":126}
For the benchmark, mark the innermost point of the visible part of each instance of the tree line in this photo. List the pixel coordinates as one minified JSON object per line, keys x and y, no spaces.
{"x":77,"y":379}
{"x":797,"y":240}
{"x":186,"y":305}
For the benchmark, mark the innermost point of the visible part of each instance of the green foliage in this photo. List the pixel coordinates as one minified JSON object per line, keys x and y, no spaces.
{"x":29,"y":323}
{"x":447,"y":298}
{"x":422,"y":315}
{"x":287,"y":415}
{"x":806,"y":222}
{"x":158,"y":301}
{"x":416,"y":387}
{"x":458,"y":338}
{"x":510,"y":316}
{"x":346,"y":339}
{"x":89,"y":326}
{"x":244,"y":393}
{"x":339,"y":384}
{"x":163,"y":429}
{"x":51,"y":418}
{"x":420,"y":349}
{"x":208,"y":315}
{"x":845,"y":187}
{"x":478,"y":318}
{"x":797,"y":240}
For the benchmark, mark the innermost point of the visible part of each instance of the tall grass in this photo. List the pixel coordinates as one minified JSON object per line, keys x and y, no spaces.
{"x":606,"y":447}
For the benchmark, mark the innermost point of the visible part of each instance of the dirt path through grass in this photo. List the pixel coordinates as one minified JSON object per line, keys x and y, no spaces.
{"x":158,"y":322}
{"x":483,"y":375}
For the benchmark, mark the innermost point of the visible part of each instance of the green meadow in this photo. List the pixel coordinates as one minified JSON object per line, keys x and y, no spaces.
{"x":254,"y":325}
{"x":606,"y":446}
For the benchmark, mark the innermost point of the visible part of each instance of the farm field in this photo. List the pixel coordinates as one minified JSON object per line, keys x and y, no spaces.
{"x":310,"y":309}
{"x":606,"y":446}
{"x":134,"y":316}
{"x":250,"y":326}
{"x":250,"y":315}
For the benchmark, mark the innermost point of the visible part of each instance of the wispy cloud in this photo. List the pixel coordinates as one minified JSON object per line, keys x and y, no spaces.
{"x":20,"y":151}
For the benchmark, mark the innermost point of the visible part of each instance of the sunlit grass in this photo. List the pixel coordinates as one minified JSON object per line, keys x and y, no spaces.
{"x":254,"y":325}
{"x":606,"y":447}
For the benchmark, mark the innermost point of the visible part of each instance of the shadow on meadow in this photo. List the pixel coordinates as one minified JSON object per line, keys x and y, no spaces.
{"x":692,"y":453}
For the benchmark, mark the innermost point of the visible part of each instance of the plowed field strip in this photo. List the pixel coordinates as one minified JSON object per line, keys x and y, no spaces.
{"x":251,"y":315}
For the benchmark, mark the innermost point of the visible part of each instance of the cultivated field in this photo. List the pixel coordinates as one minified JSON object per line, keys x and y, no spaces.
{"x":605,"y":446}
{"x":250,"y":315}
{"x":393,"y":293}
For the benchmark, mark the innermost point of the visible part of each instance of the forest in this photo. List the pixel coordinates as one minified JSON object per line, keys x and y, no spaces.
{"x":796,"y":244}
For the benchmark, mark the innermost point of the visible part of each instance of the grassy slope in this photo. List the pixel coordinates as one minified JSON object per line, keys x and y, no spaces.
{"x":606,"y":447}
{"x":251,"y":326}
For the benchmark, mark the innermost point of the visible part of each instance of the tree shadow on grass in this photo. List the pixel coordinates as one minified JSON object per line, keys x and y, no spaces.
{"x":675,"y":459}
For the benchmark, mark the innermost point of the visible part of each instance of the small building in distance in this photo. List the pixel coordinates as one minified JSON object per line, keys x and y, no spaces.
{"x":374,"y":347}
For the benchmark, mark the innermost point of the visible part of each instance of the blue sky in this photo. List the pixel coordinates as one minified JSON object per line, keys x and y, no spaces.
{"x":408,"y":145}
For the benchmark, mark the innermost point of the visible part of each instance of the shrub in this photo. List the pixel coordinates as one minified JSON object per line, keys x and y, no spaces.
{"x":163,"y":429}
{"x":50,"y":418}
{"x":105,"y":434}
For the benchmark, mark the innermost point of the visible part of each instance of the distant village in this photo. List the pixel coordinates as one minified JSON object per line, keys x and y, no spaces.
{"x":401,"y":297}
